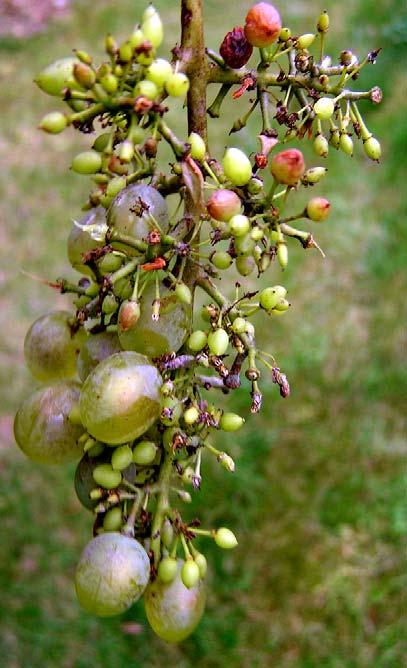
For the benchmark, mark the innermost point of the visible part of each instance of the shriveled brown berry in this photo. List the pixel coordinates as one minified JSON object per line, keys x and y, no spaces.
{"x":288,"y":166}
{"x":263,"y":25}
{"x":235,"y":49}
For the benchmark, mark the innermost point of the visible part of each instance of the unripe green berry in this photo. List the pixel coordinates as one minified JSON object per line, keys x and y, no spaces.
{"x":109,"y":263}
{"x":122,"y":457}
{"x":239,"y":225}
{"x":167,"y":570}
{"x":282,"y":254}
{"x":191,"y":415}
{"x":129,"y":315}
{"x":146,"y":88}
{"x":126,"y":151}
{"x":239,"y":325}
{"x":323,"y":22}
{"x":244,"y":245}
{"x":106,"y":477}
{"x":218,"y":341}
{"x":314,"y":175}
{"x":152,"y":26}
{"x":245,"y":265}
{"x":226,"y":462}
{"x":202,"y":564}
{"x":221,"y":260}
{"x":113,"y":520}
{"x":284,"y":34}
{"x":255,"y":186}
{"x":231,"y":422}
{"x":109,"y":304}
{"x":198,"y":148}
{"x":190,"y":574}
{"x":159,"y":71}
{"x":225,"y":538}
{"x":237,"y":167}
{"x":223,"y":204}
{"x":257,"y":233}
{"x":269,"y":297}
{"x":54,"y":122}
{"x":324,"y":108}
{"x":167,"y":533}
{"x":197,"y":340}
{"x":372,"y":148}
{"x":115,"y":185}
{"x":305,"y":41}
{"x":321,"y":146}
{"x":282,"y":305}
{"x":109,"y":83}
{"x":88,"y":162}
{"x":318,"y":209}
{"x":177,"y":84}
{"x":346,"y":143}
{"x":144,"y":453}
{"x":57,"y":76}
{"x":125,"y":52}
{"x":101,"y":142}
{"x":183,"y":293}
{"x":335,"y":138}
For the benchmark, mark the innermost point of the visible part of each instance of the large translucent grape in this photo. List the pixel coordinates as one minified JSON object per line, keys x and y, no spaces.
{"x":120,"y":399}
{"x":95,"y":349}
{"x":42,"y":427}
{"x":112,"y":574}
{"x":84,"y":481}
{"x":172,"y":610}
{"x":50,"y":348}
{"x":80,"y":241}
{"x":128,"y":215}
{"x":167,"y":334}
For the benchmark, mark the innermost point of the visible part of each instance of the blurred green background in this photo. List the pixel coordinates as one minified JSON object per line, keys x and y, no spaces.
{"x":319,"y":496}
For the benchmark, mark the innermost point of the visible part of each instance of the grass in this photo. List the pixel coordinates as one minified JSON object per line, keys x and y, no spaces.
{"x":319,"y":496}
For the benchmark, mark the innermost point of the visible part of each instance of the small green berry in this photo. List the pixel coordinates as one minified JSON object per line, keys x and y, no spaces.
{"x":239,"y":325}
{"x":113,"y":520}
{"x":115,"y":185}
{"x":324,"y":108}
{"x":152,"y":27}
{"x":106,"y":477}
{"x":282,"y":254}
{"x":221,"y":260}
{"x":346,"y":144}
{"x":191,"y":415}
{"x":167,"y":570}
{"x":314,"y":175}
{"x":144,"y":453}
{"x":305,"y":41}
{"x":177,"y":84}
{"x":323,"y":22}
{"x":231,"y":422}
{"x":109,"y":83}
{"x":202,"y":564}
{"x":237,"y":166}
{"x":318,"y":209}
{"x":121,"y":458}
{"x":321,"y":146}
{"x":88,"y":162}
{"x":284,"y":35}
{"x":190,"y":574}
{"x":218,"y":341}
{"x":225,"y":538}
{"x":245,"y":265}
{"x":198,"y":147}
{"x":372,"y":149}
{"x":239,"y":225}
{"x":57,"y":76}
{"x":197,"y":340}
{"x":269,"y":297}
{"x":147,"y":89}
{"x":183,"y":293}
{"x":159,"y":71}
{"x":54,"y":122}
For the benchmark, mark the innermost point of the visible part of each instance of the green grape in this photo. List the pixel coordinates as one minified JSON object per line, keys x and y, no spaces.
{"x":50,"y":348}
{"x":81,"y":242}
{"x":134,"y":210}
{"x":112,"y":574}
{"x":120,"y":399}
{"x":95,"y":349}
{"x":57,"y":76}
{"x":172,"y":610}
{"x":42,"y":428}
{"x":156,"y":337}
{"x":113,"y":519}
{"x":84,"y":481}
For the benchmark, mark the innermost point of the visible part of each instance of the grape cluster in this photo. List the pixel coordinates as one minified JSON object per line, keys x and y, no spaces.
{"x":126,"y":376}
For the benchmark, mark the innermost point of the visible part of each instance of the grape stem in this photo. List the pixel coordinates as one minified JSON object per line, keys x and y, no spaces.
{"x":162,"y":506}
